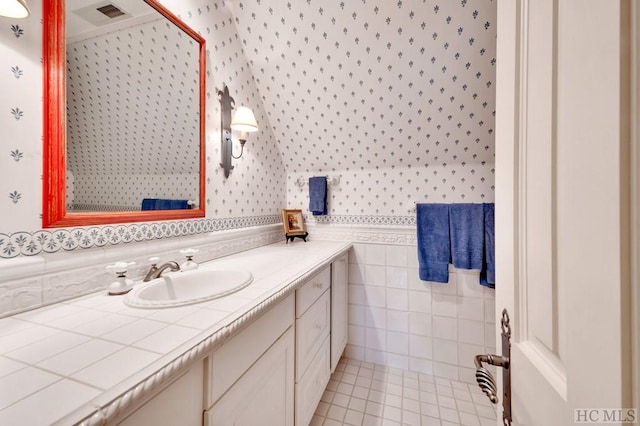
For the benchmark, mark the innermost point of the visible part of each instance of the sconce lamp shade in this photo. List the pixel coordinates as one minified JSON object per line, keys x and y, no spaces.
{"x":244,"y":120}
{"x":14,"y":8}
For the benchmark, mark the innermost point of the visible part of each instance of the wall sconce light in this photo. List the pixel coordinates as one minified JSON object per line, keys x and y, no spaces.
{"x":14,"y":8}
{"x":243,"y":121}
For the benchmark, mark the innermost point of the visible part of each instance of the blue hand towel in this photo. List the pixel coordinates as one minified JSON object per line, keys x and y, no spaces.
{"x":434,"y":250}
{"x":467,"y":235}
{"x":488,"y":273}
{"x":178,"y":204}
{"x":161,"y":204}
{"x":149,"y":204}
{"x":318,"y":195}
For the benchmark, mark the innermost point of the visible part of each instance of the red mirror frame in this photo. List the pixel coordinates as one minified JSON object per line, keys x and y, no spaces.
{"x":54,"y":211}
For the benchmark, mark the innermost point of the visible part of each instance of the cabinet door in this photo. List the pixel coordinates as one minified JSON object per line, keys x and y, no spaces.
{"x":264,"y":394}
{"x":228,"y":363}
{"x":312,"y":385}
{"x":339,"y":308}
{"x":180,"y":403}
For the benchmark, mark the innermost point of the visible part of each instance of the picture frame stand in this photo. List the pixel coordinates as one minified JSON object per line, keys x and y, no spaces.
{"x":291,"y":237}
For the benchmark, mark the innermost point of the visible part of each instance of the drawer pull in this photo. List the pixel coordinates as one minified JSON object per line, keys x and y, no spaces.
{"x":317,"y":326}
{"x":317,"y":285}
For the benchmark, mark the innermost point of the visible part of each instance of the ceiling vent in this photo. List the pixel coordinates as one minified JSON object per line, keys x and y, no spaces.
{"x":99,"y":14}
{"x":111,"y":11}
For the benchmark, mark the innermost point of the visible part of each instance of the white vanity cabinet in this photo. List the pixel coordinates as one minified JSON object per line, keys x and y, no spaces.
{"x":250,"y":379}
{"x":272,"y":372}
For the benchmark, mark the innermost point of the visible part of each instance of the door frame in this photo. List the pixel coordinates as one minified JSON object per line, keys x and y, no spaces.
{"x":635,"y":199}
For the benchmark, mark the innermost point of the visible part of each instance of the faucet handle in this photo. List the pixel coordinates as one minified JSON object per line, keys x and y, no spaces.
{"x":154,"y":260}
{"x":120,"y":268}
{"x":189,"y":264}
{"x":122,"y":284}
{"x":189,"y":252}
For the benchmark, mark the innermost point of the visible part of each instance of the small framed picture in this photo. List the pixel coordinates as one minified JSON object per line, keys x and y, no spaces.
{"x":293,"y":222}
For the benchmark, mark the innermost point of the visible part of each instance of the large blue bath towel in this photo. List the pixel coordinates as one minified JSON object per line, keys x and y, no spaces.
{"x":434,"y":250}
{"x":318,"y":195}
{"x":466,"y":222}
{"x":488,"y":273}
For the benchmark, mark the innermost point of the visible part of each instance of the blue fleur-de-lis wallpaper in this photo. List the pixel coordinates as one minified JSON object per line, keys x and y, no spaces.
{"x":398,"y":98}
{"x":15,"y":196}
{"x":17,"y":72}
{"x":17,"y":31}
{"x":133,"y":123}
{"x":17,"y":113}
{"x":17,"y":155}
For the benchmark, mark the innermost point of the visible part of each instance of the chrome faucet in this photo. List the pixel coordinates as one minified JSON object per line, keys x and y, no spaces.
{"x":156,"y":271}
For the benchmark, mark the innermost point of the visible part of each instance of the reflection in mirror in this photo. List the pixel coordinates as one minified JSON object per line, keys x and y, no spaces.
{"x":134,"y":114}
{"x":132,"y":108}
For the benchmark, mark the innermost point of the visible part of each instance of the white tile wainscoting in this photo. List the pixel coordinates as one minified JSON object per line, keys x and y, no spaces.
{"x":397,"y":320}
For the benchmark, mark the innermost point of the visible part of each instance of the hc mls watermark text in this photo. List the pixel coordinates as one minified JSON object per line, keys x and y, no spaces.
{"x":605,"y":415}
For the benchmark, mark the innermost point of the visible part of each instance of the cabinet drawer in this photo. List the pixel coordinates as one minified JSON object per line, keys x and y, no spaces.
{"x":310,"y":389}
{"x":311,"y":330}
{"x":312,"y":290}
{"x":227,"y":363}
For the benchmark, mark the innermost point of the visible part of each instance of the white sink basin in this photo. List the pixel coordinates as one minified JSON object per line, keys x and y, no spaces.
{"x":185,"y":288}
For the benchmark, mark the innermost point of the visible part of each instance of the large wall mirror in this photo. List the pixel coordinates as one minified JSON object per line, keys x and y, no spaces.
{"x":124,"y":114}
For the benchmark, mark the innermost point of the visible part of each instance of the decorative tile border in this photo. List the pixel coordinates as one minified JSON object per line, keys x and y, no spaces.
{"x":366,"y":220}
{"x":51,"y":241}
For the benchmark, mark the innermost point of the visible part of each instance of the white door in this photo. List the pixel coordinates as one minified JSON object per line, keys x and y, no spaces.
{"x":562,"y":218}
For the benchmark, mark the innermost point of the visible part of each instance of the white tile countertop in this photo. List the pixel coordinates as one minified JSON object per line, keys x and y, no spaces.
{"x":68,"y":362}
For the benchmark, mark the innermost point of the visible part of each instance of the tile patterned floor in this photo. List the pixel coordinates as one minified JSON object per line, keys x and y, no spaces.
{"x":361,"y":393}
